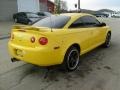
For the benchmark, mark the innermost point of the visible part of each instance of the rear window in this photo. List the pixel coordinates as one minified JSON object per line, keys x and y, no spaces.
{"x":53,"y":21}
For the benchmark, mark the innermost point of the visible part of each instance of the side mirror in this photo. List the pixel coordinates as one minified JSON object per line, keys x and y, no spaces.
{"x":102,"y":24}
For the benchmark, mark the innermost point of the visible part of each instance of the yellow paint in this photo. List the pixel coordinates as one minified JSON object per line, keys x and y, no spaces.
{"x":21,"y":47}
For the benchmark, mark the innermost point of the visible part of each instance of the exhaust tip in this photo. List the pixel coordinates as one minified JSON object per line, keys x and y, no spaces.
{"x":14,"y":60}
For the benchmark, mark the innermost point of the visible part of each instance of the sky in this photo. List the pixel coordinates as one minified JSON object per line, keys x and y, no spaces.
{"x":94,"y":4}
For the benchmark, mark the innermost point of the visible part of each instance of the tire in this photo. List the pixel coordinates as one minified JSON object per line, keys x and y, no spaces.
{"x":71,"y":59}
{"x":108,"y":40}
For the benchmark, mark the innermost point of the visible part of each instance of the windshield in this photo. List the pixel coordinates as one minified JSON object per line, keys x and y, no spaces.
{"x":53,"y":21}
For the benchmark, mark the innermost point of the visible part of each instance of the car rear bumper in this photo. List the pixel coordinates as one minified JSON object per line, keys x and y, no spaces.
{"x":38,"y":56}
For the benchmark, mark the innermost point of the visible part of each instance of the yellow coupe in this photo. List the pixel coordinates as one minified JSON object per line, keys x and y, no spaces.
{"x":58,"y":40}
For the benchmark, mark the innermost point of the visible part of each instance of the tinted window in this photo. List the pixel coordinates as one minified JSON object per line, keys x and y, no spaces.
{"x":90,"y":21}
{"x":53,"y":21}
{"x":85,"y":21}
{"x":78,"y":23}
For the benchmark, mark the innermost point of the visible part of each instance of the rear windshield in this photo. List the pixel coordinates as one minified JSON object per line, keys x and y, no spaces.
{"x":53,"y":21}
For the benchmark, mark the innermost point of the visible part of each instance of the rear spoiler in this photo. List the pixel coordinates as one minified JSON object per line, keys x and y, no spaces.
{"x":19,"y":26}
{"x":26,"y":27}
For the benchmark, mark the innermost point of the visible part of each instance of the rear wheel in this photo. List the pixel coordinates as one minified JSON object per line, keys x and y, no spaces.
{"x":108,"y":40}
{"x":71,"y":59}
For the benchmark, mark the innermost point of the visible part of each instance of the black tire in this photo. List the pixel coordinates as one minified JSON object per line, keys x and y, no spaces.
{"x":108,"y":40}
{"x":71,"y":59}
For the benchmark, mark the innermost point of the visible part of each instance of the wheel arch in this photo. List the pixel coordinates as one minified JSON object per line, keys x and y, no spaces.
{"x":76,"y":45}
{"x":63,"y":64}
{"x":109,"y":32}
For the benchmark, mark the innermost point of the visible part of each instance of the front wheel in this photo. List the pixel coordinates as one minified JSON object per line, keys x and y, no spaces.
{"x":108,"y":40}
{"x":71,"y":59}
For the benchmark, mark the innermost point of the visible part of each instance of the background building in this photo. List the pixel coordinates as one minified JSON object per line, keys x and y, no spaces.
{"x":46,"y":5}
{"x":63,"y":5}
{"x":7,"y":8}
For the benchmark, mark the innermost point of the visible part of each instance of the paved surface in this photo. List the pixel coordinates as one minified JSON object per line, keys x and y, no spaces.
{"x":5,"y":28}
{"x":99,"y":70}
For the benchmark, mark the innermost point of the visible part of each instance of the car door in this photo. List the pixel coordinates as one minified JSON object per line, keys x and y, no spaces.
{"x":82,"y":34}
{"x":97,"y":31}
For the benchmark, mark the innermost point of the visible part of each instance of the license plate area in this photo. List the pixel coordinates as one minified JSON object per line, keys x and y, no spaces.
{"x":19,"y":52}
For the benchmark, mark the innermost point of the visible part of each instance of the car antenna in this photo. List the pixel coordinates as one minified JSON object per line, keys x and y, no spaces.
{"x":51,"y":23}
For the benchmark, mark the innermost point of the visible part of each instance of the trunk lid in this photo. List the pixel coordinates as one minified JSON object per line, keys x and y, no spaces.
{"x":21,"y":35}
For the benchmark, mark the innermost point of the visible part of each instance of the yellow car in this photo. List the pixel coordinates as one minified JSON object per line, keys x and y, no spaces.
{"x":58,"y":40}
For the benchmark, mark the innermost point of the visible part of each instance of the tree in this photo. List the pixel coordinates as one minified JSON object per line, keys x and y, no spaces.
{"x":57,"y":6}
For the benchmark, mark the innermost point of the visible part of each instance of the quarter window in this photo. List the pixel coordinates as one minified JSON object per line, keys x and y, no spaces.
{"x":77,"y":24}
{"x":90,"y":21}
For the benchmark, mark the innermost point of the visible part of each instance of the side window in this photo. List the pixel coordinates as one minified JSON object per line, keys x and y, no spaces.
{"x":85,"y":21}
{"x":77,"y":24}
{"x":90,"y":21}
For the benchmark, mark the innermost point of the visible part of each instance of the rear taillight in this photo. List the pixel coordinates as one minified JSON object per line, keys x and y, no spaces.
{"x":32,"y":39}
{"x":43,"y":40}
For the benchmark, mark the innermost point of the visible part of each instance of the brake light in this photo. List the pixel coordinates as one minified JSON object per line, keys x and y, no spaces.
{"x":43,"y":40}
{"x":32,"y":39}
